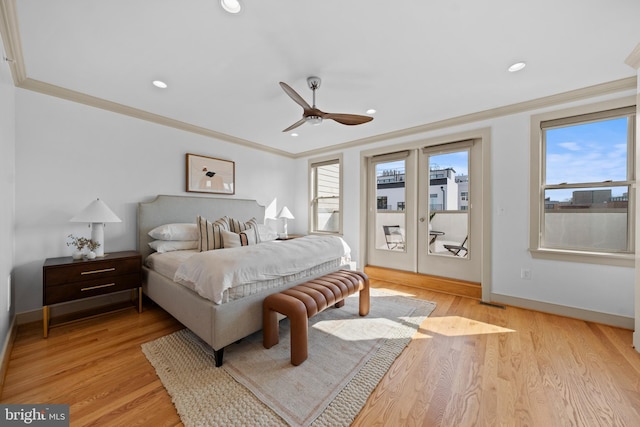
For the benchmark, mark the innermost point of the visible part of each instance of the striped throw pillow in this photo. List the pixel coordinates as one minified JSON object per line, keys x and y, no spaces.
{"x":235,"y":240}
{"x":239,"y":226}
{"x":210,"y":233}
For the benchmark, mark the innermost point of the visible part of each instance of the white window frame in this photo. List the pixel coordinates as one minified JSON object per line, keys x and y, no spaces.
{"x":626,"y":259}
{"x":313,"y":220}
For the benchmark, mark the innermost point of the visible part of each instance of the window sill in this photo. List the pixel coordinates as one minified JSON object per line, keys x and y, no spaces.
{"x":617,"y":260}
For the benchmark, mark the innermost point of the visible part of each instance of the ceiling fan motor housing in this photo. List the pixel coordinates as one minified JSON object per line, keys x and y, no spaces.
{"x":313,"y":120}
{"x":314,"y":82}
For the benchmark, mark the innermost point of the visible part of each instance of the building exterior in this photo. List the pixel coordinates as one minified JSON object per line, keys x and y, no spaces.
{"x":446,"y":190}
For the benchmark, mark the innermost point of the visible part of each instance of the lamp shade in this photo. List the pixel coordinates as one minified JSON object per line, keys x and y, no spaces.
{"x":97,"y":211}
{"x":286,"y":213}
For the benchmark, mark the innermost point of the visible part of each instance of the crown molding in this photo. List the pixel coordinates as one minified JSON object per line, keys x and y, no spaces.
{"x":633,"y":60}
{"x":615,"y":86}
{"x":12,"y":43}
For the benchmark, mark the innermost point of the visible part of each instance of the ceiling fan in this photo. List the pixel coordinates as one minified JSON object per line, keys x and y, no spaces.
{"x":313,"y":115}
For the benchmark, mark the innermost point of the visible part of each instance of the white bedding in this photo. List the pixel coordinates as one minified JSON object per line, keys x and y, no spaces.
{"x":211,"y":273}
{"x":167,"y":263}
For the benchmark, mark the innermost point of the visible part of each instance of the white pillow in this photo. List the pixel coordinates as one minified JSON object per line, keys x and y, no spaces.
{"x":162,"y":246}
{"x":235,"y":240}
{"x":177,"y":231}
{"x":266,"y":233}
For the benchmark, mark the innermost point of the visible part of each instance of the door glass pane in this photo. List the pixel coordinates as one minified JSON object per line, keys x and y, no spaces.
{"x":449,"y":196}
{"x":390,"y":213}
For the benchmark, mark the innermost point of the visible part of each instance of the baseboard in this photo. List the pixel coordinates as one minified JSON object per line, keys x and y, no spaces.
{"x":561,"y":310}
{"x":6,"y":350}
{"x":425,"y":281}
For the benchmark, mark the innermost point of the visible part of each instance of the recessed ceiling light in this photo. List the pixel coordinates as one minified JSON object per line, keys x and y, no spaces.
{"x":517,"y":67}
{"x":160,"y":84}
{"x":294,"y":134}
{"x":371,"y":111}
{"x":231,"y":6}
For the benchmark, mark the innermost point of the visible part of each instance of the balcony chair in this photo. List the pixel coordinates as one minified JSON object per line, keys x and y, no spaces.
{"x":456,"y":249}
{"x":393,"y":236}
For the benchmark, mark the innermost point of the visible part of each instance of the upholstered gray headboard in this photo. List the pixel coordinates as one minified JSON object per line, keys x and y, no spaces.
{"x":174,"y":209}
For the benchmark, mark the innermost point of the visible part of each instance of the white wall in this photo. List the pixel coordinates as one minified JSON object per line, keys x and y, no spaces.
{"x":7,"y":191}
{"x":68,"y":154}
{"x":599,"y":288}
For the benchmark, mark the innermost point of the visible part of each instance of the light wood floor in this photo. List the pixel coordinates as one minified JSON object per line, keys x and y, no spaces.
{"x":469,"y":365}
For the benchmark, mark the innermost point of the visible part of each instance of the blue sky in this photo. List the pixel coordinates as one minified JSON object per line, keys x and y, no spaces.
{"x":591,"y":152}
{"x":459,"y":161}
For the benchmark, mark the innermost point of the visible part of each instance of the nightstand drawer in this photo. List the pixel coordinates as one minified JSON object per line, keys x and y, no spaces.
{"x":90,"y":270}
{"x":90,"y":288}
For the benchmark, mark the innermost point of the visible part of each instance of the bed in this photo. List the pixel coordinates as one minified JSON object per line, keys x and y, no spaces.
{"x":218,"y":324}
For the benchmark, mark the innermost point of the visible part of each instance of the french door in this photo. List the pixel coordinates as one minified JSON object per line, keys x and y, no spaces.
{"x":391,"y":218}
{"x":450,"y":207}
{"x":424,"y":210}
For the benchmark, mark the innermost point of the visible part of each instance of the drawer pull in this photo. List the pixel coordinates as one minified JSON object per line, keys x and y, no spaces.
{"x":98,"y":271}
{"x":97,"y":287}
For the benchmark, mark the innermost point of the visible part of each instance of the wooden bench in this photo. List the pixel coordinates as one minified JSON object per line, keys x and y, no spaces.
{"x":304,"y":301}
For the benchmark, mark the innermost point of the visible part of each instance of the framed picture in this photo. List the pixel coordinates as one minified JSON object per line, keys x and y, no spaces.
{"x":210,"y":175}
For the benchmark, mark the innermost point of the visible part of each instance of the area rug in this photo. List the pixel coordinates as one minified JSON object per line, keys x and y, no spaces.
{"x":348,"y":355}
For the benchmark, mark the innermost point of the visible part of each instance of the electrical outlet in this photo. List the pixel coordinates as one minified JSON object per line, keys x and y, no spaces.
{"x":525,"y":274}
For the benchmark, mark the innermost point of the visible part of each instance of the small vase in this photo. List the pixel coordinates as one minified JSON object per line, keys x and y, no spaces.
{"x":77,"y":255}
{"x":91,"y":255}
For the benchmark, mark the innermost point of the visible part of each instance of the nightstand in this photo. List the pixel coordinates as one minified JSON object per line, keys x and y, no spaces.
{"x":65,"y":279}
{"x":291,"y":236}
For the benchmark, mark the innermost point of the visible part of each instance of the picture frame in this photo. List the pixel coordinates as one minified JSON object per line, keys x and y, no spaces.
{"x":210,"y":175}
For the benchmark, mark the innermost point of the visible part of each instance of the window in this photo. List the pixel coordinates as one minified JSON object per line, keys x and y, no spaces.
{"x":326,"y":195}
{"x":382,"y":203}
{"x":464,"y":195}
{"x":582,"y":203}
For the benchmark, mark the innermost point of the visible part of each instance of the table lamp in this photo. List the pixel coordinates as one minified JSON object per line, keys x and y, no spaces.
{"x":285,"y":214}
{"x":97,"y":214}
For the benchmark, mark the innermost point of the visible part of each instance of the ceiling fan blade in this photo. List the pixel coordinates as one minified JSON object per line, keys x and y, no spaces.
{"x":294,"y":95}
{"x":348,"y":119}
{"x":295,"y":125}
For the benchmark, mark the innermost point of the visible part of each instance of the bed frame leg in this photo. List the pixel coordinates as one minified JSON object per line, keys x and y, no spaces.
{"x":218,"y":354}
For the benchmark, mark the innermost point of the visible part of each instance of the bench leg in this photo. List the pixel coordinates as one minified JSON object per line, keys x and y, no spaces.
{"x":299,"y":337}
{"x":271,"y":328}
{"x":296,"y":311}
{"x":365,"y":298}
